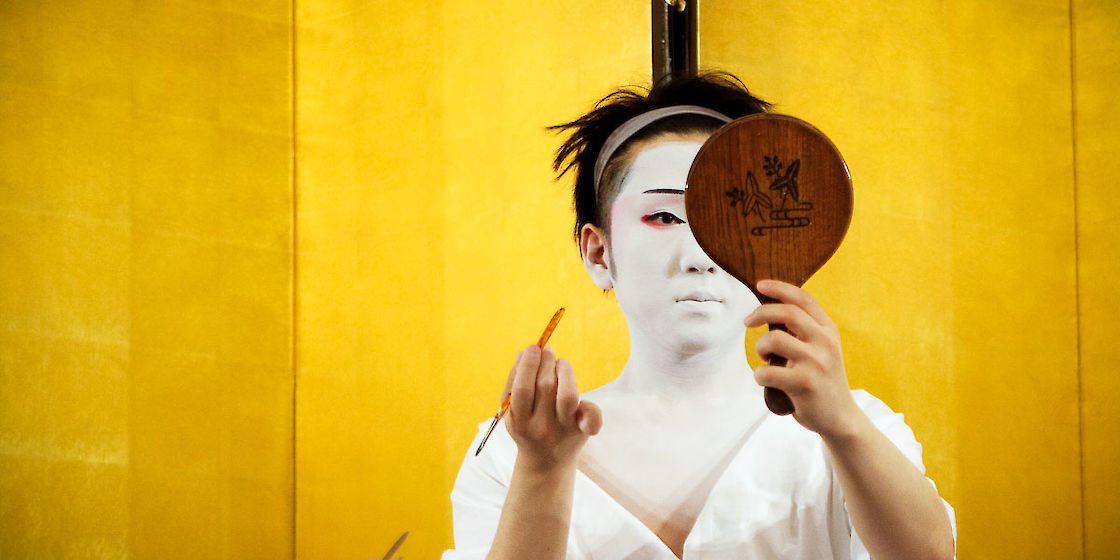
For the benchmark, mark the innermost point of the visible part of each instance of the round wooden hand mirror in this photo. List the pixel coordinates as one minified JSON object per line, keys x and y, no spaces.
{"x":769,"y":197}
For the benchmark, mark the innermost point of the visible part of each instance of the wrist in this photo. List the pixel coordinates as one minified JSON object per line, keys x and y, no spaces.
{"x":847,"y":433}
{"x":543,"y":469}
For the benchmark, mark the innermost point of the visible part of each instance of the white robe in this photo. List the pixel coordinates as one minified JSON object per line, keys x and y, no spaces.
{"x":778,"y":499}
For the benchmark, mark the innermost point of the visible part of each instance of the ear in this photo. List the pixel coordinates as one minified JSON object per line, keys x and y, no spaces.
{"x":593,"y":246}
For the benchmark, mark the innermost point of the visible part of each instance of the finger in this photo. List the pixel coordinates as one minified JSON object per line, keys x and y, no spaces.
{"x":546,"y":384}
{"x":589,"y":418}
{"x":788,"y":293}
{"x":567,"y":394}
{"x":782,"y":344}
{"x":509,"y":379}
{"x":525,"y":383}
{"x":799,"y":323}
{"x":791,"y":381}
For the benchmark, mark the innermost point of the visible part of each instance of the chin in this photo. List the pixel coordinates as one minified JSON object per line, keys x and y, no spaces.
{"x":692,"y":347}
{"x":701,"y":339}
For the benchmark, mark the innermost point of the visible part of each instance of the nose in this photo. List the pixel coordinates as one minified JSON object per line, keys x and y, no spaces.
{"x":693,"y":258}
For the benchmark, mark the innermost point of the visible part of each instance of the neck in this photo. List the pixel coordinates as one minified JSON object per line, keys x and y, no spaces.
{"x":680,"y":375}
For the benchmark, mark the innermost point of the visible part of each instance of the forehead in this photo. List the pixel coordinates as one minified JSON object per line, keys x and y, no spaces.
{"x":660,"y":165}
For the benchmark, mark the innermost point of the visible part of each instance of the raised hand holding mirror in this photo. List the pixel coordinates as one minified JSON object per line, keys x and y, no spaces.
{"x":769,"y":197}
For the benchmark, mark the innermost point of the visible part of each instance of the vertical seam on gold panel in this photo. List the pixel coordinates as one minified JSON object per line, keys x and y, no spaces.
{"x":1077,"y":274}
{"x":295,"y":261}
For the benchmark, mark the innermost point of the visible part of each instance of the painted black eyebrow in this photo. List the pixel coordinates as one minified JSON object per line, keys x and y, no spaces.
{"x":664,"y":191}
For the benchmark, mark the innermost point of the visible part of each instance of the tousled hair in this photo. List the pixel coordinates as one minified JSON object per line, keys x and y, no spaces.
{"x":720,"y":91}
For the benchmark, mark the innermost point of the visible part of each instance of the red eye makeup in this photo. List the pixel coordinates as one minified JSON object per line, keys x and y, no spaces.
{"x":661,"y":220}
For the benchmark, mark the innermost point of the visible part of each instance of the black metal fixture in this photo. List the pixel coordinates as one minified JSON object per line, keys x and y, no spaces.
{"x":674,"y":38}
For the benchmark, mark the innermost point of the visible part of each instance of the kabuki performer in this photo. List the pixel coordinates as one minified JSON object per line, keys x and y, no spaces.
{"x":678,"y":456}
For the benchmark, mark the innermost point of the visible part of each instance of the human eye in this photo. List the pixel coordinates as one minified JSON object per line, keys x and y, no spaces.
{"x":661,"y":219}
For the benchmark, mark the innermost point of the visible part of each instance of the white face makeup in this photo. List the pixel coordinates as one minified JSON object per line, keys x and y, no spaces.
{"x":672,"y":294}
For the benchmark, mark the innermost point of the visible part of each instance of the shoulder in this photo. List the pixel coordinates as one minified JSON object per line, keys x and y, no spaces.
{"x":479,"y":492}
{"x":490,"y":470}
{"x":892,"y":424}
{"x":871,"y":405}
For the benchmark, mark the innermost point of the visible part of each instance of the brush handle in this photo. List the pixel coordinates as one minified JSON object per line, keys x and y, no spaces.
{"x":777,"y":400}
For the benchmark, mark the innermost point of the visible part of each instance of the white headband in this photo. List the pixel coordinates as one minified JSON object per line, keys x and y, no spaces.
{"x":632,"y":126}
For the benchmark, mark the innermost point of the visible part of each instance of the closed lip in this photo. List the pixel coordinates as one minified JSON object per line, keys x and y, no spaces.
{"x":700,"y":296}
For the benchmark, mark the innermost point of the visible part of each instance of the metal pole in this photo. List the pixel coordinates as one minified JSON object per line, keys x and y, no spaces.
{"x":674,"y":38}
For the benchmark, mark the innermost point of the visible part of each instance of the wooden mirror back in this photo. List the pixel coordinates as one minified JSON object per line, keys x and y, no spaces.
{"x":769,"y":197}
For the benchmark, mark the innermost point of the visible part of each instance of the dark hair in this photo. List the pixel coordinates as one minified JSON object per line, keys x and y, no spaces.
{"x":715,"y":90}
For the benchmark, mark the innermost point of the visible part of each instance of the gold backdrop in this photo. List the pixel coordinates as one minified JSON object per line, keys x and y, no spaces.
{"x":145,"y":279}
{"x":264,"y":265}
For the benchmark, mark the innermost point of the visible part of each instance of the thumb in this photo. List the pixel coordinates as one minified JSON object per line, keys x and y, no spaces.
{"x":589,"y":418}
